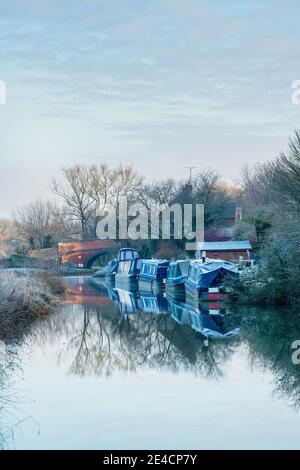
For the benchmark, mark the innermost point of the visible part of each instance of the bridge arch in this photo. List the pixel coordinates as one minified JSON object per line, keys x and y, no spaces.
{"x":91,"y":260}
{"x":83,"y":254}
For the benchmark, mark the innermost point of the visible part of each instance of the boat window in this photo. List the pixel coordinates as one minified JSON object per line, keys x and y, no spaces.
{"x":148,"y":269}
{"x":128,"y":255}
{"x":144,"y":270}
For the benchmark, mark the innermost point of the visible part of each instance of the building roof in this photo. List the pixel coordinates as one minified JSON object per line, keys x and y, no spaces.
{"x":225,"y":246}
{"x":185,"y":196}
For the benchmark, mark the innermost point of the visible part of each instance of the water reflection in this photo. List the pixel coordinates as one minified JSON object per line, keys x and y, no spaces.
{"x":126,"y":331}
{"x":121,"y":330}
{"x":269,"y":335}
{"x":112,"y":332}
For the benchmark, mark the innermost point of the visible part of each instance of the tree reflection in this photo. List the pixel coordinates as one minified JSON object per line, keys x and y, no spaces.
{"x":270,"y":334}
{"x":10,"y":398}
{"x":102,"y":342}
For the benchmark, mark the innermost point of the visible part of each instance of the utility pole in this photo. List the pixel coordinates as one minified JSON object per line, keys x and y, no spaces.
{"x":191,"y":168}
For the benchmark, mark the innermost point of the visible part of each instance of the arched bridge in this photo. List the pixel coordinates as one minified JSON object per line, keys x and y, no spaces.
{"x":83,"y":254}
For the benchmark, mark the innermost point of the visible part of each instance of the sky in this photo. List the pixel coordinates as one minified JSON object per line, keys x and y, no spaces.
{"x":159,"y":84}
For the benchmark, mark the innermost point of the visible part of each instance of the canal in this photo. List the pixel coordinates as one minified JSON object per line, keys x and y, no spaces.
{"x":111,"y":370}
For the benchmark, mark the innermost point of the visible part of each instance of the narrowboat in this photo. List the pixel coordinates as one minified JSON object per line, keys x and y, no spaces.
{"x":152,"y":275}
{"x":176,"y":277}
{"x":206,"y":280}
{"x":128,"y":269}
{"x":112,"y":267}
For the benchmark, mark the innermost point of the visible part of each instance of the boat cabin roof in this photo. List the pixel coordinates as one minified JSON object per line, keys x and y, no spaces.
{"x":163,"y":262}
{"x":127,"y":254}
{"x":205,"y":274}
{"x":180,"y":267}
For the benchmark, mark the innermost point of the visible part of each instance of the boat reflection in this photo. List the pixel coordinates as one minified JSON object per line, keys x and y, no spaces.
{"x":210,"y":319}
{"x":126,"y":300}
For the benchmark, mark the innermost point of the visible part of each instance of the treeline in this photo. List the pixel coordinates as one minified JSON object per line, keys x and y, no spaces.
{"x":84,"y":193}
{"x":268,"y":192}
{"x":271,"y":197}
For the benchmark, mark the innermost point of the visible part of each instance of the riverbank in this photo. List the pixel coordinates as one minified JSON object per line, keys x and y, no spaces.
{"x":25,"y":296}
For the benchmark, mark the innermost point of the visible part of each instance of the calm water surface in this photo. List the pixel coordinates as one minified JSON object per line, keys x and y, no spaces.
{"x":113,"y":371}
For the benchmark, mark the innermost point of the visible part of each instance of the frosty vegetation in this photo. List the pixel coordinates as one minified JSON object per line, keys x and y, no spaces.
{"x":26,"y":295}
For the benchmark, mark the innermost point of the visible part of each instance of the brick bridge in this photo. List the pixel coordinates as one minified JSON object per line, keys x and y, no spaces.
{"x":83,"y":254}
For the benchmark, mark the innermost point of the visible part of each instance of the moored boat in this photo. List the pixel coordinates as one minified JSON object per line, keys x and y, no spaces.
{"x":176,"y":277}
{"x":128,"y":269}
{"x":152,"y":275}
{"x":207,"y":281}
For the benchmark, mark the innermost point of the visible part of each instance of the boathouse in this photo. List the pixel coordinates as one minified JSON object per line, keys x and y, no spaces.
{"x":226,"y":250}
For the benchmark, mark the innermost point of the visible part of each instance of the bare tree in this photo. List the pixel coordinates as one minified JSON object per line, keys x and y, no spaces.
{"x":161,"y":192}
{"x":76,"y":195}
{"x":107,"y":186}
{"x":284,"y":173}
{"x":255,"y":186}
{"x":39,"y":223}
{"x":90,"y":189}
{"x":210,"y":190}
{"x":206,"y":184}
{"x":7,"y":234}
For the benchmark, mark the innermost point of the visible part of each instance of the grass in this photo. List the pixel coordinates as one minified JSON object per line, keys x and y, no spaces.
{"x":25,"y":296}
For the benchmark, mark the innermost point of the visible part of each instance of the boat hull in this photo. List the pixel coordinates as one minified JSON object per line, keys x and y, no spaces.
{"x":176,"y":291}
{"x":196,"y":294}
{"x":153,"y":286}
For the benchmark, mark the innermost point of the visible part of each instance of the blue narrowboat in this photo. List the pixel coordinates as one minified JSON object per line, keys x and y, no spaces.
{"x":206,"y":280}
{"x":128,"y":269}
{"x":176,"y":277}
{"x":152,"y":275}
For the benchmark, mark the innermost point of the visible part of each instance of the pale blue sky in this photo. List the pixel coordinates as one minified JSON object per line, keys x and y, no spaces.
{"x":160,"y":84}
